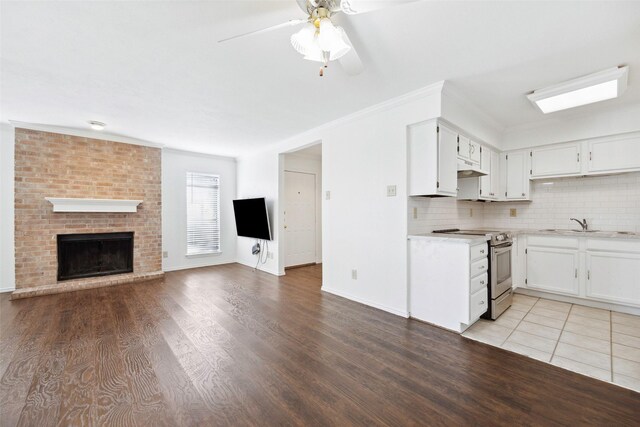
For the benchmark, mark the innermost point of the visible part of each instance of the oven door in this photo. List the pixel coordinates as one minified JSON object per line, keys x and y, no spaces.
{"x":500,"y":269}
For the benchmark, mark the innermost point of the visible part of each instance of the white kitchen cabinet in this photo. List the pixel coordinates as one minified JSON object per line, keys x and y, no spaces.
{"x":432,"y":151}
{"x":613,"y":277}
{"x":552,"y":269}
{"x":516,"y":175}
{"x":555,"y":160}
{"x":591,"y":268}
{"x":490,"y":184}
{"x":486,"y":187}
{"x":464,"y":151}
{"x":613,"y":154}
{"x":448,"y":281}
{"x":475,"y":152}
{"x":468,"y":150}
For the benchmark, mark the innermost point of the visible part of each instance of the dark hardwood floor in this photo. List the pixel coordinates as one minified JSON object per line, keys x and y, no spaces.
{"x":227,"y":346}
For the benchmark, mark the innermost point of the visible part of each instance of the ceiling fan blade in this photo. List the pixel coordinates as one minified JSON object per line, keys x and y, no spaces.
{"x":357,"y":7}
{"x":351,"y":62}
{"x":289,"y":23}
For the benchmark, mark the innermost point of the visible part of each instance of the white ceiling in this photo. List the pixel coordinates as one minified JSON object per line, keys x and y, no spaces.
{"x":153,"y":70}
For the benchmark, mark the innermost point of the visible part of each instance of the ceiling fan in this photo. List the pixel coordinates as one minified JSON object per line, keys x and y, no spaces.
{"x":322,"y":41}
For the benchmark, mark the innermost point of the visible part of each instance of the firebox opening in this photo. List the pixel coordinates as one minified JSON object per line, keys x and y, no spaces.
{"x":96,"y":254}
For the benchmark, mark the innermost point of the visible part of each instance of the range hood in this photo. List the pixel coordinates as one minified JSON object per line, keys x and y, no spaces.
{"x":469,"y":170}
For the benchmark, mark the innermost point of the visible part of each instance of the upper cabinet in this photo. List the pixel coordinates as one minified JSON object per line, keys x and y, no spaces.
{"x":432,"y":152}
{"x":486,"y":187}
{"x":515,"y":175}
{"x":555,"y":160}
{"x":613,"y":154}
{"x":468,"y":150}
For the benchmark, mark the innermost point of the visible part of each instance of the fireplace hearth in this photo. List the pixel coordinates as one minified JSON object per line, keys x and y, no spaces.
{"x":95,"y":254}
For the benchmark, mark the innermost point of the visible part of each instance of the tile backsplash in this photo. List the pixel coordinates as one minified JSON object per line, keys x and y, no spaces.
{"x":443,"y":212}
{"x":607,"y":202}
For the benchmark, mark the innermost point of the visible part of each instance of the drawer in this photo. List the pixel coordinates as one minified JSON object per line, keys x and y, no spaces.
{"x":478,"y":283}
{"x":479,"y":251}
{"x":479,"y":267}
{"x":478,"y":304}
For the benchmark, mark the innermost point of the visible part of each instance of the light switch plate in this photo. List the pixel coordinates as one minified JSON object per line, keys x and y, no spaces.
{"x":513,"y":212}
{"x":327,"y":195}
{"x":165,"y":254}
{"x":391,"y":190}
{"x":354,"y":274}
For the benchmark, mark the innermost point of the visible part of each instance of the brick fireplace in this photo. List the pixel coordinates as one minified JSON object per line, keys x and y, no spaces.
{"x":55,"y":165}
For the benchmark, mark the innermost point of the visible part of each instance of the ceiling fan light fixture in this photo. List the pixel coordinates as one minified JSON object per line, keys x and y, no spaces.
{"x":304,"y":40}
{"x":314,"y":43}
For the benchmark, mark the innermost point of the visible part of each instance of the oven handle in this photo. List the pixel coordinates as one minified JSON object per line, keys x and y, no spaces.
{"x":501,"y":249}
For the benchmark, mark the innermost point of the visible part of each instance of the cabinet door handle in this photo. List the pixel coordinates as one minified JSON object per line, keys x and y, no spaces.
{"x":481,"y":303}
{"x":522,"y":194}
{"x":588,"y":275}
{"x":482,"y":282}
{"x":482,"y":251}
{"x":576,"y":274}
{"x":578,"y":157}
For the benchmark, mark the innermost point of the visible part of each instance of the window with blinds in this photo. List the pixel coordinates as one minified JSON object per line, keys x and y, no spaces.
{"x":203,"y":213}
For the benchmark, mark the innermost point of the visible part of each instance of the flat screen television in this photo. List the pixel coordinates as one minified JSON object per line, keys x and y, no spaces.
{"x":252,"y":218}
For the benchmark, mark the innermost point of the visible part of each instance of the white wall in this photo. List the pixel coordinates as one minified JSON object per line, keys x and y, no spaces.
{"x":175,"y":165}
{"x":259,"y":175}
{"x":362,"y":228}
{"x":611,"y":122}
{"x":302,"y":163}
{"x":7,"y":253}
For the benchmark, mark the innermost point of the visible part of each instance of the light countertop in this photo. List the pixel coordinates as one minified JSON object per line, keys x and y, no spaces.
{"x":578,"y":233}
{"x":454,"y":238}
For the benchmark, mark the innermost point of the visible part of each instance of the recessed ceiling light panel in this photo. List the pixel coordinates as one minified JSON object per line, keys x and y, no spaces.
{"x":585,"y":90}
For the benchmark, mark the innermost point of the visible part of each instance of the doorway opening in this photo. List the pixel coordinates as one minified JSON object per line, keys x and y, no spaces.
{"x":302,"y":214}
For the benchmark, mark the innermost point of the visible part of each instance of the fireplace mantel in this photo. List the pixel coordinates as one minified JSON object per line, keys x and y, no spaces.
{"x":93,"y":205}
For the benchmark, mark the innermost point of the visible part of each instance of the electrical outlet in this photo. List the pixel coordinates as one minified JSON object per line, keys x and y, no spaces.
{"x":470,"y":212}
{"x":165,"y":254}
{"x":354,"y":274}
{"x":415,"y":213}
{"x":327,"y":195}
{"x":513,"y":212}
{"x":391,"y":190}
{"x":270,"y":255}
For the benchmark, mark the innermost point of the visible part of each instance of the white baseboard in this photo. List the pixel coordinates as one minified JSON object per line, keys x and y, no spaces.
{"x":579,"y":301}
{"x":200,"y":265}
{"x":3,"y":290}
{"x":275,"y":273}
{"x":401,"y":313}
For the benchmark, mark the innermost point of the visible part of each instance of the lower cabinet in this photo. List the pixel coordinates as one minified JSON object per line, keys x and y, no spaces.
{"x":613,"y":276}
{"x":599,"y":269}
{"x":553,"y":269}
{"x":448,"y":281}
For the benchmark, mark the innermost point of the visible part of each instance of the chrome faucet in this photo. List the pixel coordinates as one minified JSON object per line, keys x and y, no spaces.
{"x":582,"y":223}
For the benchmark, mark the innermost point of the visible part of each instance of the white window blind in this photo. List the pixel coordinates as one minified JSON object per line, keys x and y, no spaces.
{"x":203,"y":213}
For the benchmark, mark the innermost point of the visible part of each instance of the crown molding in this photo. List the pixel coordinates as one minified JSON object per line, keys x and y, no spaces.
{"x":85,"y":133}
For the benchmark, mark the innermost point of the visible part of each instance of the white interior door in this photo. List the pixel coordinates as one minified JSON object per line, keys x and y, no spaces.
{"x":300,"y":218}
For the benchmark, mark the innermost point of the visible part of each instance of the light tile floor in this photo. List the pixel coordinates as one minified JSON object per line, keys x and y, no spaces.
{"x":599,"y":343}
